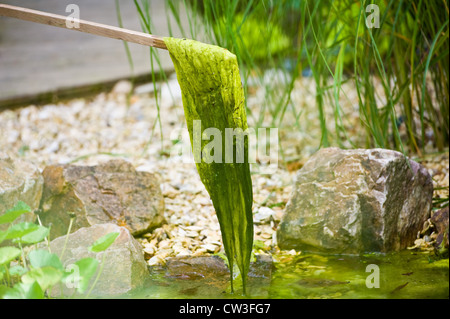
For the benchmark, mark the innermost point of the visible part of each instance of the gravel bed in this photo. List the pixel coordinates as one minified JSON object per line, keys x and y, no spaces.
{"x":124,"y":123}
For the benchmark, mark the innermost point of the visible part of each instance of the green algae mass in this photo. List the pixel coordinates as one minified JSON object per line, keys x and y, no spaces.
{"x":212,"y":93}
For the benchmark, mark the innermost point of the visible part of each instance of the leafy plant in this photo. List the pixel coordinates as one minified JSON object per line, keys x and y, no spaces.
{"x":33,"y":275}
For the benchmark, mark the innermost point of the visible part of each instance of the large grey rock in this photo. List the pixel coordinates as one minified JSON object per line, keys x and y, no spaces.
{"x":19,"y":181}
{"x":124,"y":270}
{"x":354,"y":201}
{"x":113,"y":192}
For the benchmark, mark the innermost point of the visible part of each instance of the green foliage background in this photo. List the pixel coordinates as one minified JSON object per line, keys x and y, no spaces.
{"x":329,"y":39}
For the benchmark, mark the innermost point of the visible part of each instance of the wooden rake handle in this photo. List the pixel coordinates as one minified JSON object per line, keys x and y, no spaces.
{"x":84,"y":26}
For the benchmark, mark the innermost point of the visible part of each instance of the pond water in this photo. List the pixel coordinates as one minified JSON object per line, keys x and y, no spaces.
{"x":401,"y":276}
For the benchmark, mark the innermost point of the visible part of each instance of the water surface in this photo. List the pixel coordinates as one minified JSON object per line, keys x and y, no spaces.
{"x":402,"y":275}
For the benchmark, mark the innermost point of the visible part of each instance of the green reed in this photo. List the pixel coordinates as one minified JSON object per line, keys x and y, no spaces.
{"x":407,"y":55}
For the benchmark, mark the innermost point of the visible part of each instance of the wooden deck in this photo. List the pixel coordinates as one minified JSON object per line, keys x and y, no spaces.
{"x":39,"y":61}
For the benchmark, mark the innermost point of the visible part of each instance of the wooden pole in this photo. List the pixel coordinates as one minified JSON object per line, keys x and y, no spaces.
{"x":83,"y":26}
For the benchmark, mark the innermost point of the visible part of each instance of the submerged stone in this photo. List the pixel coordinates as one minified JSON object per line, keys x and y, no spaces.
{"x":209,"y":275}
{"x":355,"y":201}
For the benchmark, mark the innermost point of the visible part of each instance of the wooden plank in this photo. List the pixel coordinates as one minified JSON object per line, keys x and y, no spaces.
{"x":84,"y":26}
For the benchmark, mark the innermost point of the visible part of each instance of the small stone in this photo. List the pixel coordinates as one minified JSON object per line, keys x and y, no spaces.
{"x":164,"y":253}
{"x":211,"y":248}
{"x":53,"y":147}
{"x":184,"y":252}
{"x":12,"y":137}
{"x":122,"y":87}
{"x":155,"y":260}
{"x":200,"y":251}
{"x":192,"y":228}
{"x":164,"y":244}
{"x":203,"y":201}
{"x":278,"y":214}
{"x":192,"y":234}
{"x":170,"y":192}
{"x":149,"y":250}
{"x":263,"y":215}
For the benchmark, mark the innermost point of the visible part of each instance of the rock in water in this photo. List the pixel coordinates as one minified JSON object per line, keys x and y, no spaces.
{"x":354,"y":201}
{"x":209,"y":275}
{"x":124,"y":270}
{"x":113,"y":192}
{"x":19,"y":181}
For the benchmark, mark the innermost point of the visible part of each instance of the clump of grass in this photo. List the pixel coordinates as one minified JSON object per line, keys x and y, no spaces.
{"x":407,"y":54}
{"x":33,"y":274}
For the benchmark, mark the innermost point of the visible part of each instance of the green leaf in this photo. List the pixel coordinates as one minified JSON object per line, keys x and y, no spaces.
{"x":45,"y":276}
{"x":42,"y":258}
{"x":32,"y":290}
{"x":22,"y":290}
{"x":8,"y":253}
{"x":104,"y":242}
{"x":2,"y":235}
{"x":21,"y":229}
{"x":12,"y":214}
{"x":10,"y":293}
{"x":3,"y":290}
{"x":17,"y":270}
{"x":81,"y":273}
{"x":34,"y":236}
